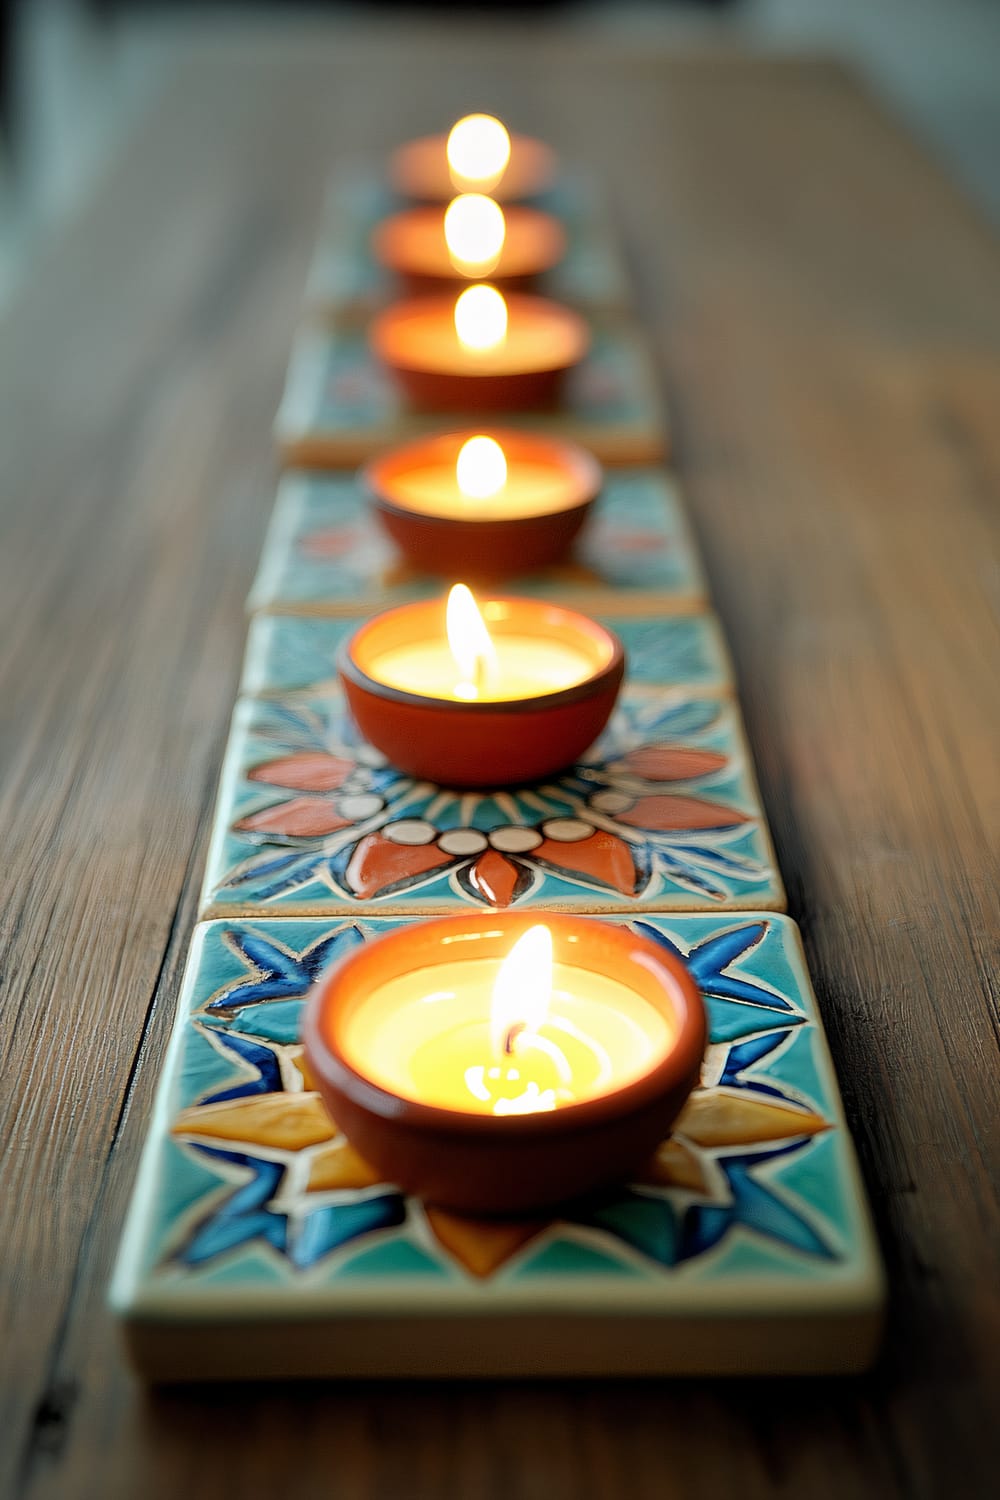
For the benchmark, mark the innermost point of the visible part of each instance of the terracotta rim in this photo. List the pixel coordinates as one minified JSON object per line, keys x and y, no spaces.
{"x":373,"y":476}
{"x":587,"y":688}
{"x":319,"y":1032}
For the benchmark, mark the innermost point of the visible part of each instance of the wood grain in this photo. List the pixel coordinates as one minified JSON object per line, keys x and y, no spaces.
{"x":826,"y":314}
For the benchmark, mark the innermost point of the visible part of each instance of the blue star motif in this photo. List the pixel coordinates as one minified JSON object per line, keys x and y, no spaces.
{"x":278,"y":974}
{"x":302,"y":1236}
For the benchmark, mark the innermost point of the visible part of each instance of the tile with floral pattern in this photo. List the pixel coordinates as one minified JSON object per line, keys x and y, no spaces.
{"x":326,"y":554}
{"x":745,"y":1238}
{"x":663,"y":811}
{"x":288,"y":655}
{"x":345,"y":277}
{"x":340,"y":407}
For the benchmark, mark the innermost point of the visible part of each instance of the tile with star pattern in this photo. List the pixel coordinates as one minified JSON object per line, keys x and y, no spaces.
{"x":340,"y":407}
{"x":663,"y":811}
{"x":326,"y":554}
{"x":259,"y":1238}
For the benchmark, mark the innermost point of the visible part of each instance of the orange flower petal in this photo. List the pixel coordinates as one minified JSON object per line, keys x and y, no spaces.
{"x":672,"y":762}
{"x":494,"y":877}
{"x":603,"y":856}
{"x":378,"y":863}
{"x":310,"y":771}
{"x":666,"y":812}
{"x":303,"y":817}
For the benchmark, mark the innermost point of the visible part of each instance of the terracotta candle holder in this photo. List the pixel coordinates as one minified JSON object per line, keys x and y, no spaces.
{"x":522,"y":368}
{"x":483,"y":505}
{"x":496,"y":1066}
{"x":413,"y":246}
{"x":420,"y":170}
{"x":523,"y":702}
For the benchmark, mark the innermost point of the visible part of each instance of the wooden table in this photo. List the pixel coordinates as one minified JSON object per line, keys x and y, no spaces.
{"x":826,"y":311}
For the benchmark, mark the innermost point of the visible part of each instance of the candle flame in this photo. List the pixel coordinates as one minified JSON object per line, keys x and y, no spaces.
{"x":470,"y":642}
{"x":522,"y":991}
{"x":478,"y":152}
{"x":481,"y":468}
{"x":474,"y":230}
{"x":481,"y":318}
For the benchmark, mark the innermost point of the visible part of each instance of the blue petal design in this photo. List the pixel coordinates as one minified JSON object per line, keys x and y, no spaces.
{"x":281,"y":975}
{"x":745,"y":1054}
{"x":716,"y":953}
{"x":336,"y":1224}
{"x":268,"y":1080}
{"x":242,"y":1217}
{"x":753,"y":1206}
{"x":690,"y":717}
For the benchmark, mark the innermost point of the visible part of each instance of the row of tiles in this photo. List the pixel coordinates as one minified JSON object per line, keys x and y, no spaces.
{"x":252,"y":1211}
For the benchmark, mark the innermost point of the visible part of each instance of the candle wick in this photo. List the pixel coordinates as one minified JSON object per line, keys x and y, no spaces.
{"x":510,"y":1037}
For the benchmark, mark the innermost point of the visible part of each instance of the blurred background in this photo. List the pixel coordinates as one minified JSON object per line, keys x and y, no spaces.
{"x":75,"y":75}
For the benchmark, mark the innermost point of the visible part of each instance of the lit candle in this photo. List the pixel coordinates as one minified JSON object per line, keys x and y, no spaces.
{"x":469,"y":665}
{"x":481,"y":350}
{"x":474,"y":233}
{"x":493,"y":1063}
{"x":504,"y":1036}
{"x":477,"y":155}
{"x":474,"y":237}
{"x":473,"y":695}
{"x":485,"y":504}
{"x":478,"y":151}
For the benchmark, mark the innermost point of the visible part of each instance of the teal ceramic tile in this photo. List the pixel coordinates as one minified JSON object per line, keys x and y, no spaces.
{"x":346,"y":279}
{"x":339,"y":407}
{"x":288,"y":655}
{"x":325,"y":552}
{"x":259,"y":1242}
{"x":662,"y":812}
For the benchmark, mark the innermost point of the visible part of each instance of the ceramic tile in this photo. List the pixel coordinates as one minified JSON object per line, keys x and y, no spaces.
{"x":345,"y":278}
{"x":662,"y":812}
{"x":326,"y":553}
{"x":258,"y":1239}
{"x":339,"y":408}
{"x":289,"y":655}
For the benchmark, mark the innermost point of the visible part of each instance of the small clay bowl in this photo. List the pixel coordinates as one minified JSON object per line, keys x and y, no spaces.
{"x":415,"y":340}
{"x":412,"y":245}
{"x":420,"y":170}
{"x":491,"y":1165}
{"x":482,"y":743}
{"x":493,"y":546}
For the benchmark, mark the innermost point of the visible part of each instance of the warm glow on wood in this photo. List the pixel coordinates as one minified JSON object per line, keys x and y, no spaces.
{"x":481,"y":468}
{"x":470,"y":643}
{"x":474,"y":230}
{"x":481,"y":318}
{"x":478,"y":152}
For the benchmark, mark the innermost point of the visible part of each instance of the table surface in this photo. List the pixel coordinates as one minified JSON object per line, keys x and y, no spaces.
{"x":825,"y":310}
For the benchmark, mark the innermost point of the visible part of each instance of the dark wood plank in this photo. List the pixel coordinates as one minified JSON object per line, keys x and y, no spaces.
{"x":827,"y":315}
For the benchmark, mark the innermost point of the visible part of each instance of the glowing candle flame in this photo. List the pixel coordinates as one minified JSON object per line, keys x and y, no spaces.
{"x":470,"y":642}
{"x":474,"y":230}
{"x":522,"y":992}
{"x":478,"y":152}
{"x":481,"y":468}
{"x":481,"y":318}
